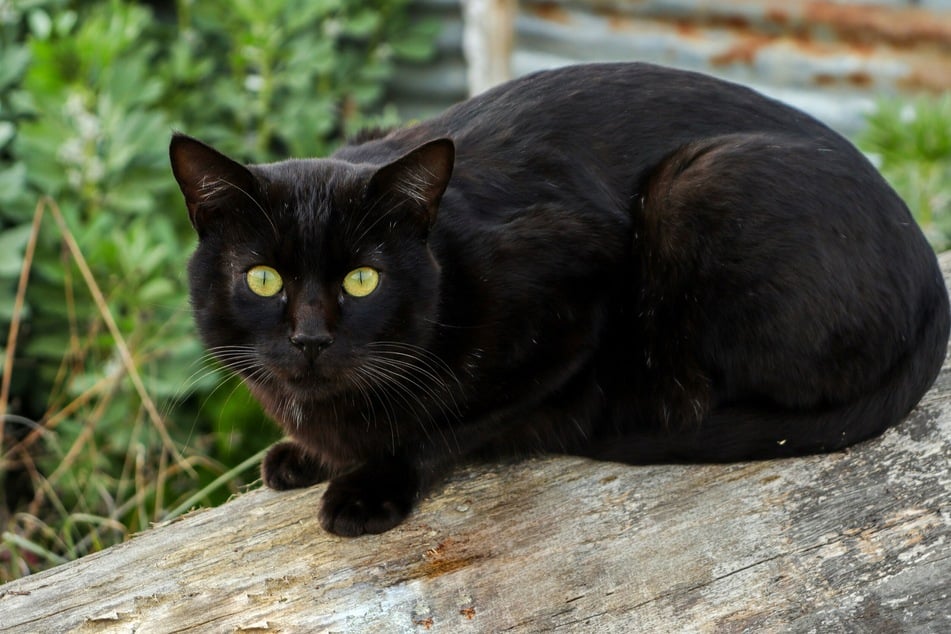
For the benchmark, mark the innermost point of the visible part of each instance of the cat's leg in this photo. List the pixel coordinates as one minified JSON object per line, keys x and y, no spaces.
{"x":288,"y":465}
{"x":373,"y":498}
{"x":701,"y":314}
{"x":382,"y":492}
{"x":795,"y":293}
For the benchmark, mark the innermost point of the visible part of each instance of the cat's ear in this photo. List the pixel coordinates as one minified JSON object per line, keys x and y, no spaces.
{"x":421,"y":176}
{"x":206,"y":177}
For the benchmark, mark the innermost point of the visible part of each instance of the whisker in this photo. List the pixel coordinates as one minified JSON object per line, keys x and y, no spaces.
{"x":368,"y":385}
{"x":407,"y":388}
{"x":418,"y":352}
{"x":406,"y":370}
{"x":424,"y":362}
{"x":211,"y":362}
{"x":410,"y":400}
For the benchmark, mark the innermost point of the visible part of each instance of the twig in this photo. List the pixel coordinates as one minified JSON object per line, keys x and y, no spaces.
{"x":14,"y":331}
{"x":29,"y":546}
{"x":64,"y":413}
{"x":121,"y":345}
{"x":227,"y":476}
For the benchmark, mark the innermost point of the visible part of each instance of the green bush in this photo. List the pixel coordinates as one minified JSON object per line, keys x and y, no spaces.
{"x":114,"y":417}
{"x":911,"y":143}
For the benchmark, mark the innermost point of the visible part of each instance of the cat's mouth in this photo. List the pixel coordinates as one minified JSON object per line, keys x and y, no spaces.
{"x":307,"y":381}
{"x":312,"y":383}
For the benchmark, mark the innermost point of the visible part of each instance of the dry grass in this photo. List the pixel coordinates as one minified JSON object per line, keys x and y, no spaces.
{"x":82,"y":501}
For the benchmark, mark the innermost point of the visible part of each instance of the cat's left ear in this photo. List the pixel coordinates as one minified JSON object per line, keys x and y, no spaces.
{"x":421,"y":176}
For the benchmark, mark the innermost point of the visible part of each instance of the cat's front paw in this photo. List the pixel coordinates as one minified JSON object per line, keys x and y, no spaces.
{"x":287,"y":465}
{"x":368,"y":500}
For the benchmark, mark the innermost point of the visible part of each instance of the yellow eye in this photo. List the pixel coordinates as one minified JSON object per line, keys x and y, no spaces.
{"x":264,"y":281}
{"x":361,"y":282}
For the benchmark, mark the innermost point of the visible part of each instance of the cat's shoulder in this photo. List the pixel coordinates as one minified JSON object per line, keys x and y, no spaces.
{"x":380,"y":145}
{"x":370,"y":133}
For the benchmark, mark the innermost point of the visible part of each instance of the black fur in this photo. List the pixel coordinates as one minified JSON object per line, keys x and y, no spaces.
{"x":620,"y":261}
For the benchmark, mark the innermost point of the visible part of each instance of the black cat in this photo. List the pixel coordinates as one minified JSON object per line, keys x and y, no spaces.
{"x":619,"y":261}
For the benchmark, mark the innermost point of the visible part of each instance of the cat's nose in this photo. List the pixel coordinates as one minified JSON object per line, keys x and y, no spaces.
{"x":311,"y":343}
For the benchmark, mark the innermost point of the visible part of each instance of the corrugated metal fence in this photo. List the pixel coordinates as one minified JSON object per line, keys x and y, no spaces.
{"x":831,"y":58}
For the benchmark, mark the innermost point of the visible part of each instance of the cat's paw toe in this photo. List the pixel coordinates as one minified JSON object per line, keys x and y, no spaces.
{"x":350,"y":510}
{"x":288,"y":465}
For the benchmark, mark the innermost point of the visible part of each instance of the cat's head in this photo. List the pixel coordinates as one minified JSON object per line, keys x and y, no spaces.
{"x":307,"y":272}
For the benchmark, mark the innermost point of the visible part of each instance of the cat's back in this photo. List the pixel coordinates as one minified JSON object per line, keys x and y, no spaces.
{"x":637,"y":97}
{"x":586,"y":135}
{"x":633,"y":112}
{"x":575,"y":145}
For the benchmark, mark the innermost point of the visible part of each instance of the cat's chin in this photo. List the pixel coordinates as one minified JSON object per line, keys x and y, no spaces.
{"x":299,"y":387}
{"x":311,"y":388}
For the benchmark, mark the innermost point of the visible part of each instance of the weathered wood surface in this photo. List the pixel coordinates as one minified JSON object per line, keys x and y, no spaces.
{"x":858,"y":541}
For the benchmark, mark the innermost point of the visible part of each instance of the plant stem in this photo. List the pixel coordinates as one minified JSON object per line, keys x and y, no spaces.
{"x":121,"y":346}
{"x":17,"y":312}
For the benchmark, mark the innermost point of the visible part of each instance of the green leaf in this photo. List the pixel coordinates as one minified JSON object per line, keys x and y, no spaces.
{"x":50,"y":346}
{"x":417,"y":45}
{"x":7,"y":132}
{"x":41,"y":24}
{"x":363,"y":24}
{"x":13,"y":63}
{"x":12,"y":180}
{"x":155,"y":291}
{"x":6,"y":311}
{"x":12,"y":244}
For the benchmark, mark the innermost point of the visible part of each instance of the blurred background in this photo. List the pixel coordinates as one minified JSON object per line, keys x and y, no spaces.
{"x":113,"y":418}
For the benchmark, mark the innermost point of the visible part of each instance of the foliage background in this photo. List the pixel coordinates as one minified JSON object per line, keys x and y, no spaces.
{"x":114,"y":419}
{"x":98,"y":443}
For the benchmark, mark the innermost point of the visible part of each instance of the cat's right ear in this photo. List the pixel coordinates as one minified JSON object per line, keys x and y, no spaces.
{"x":206,"y":177}
{"x":420,"y":177}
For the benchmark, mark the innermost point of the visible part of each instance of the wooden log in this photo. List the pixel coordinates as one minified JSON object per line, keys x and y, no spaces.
{"x":854,"y":541}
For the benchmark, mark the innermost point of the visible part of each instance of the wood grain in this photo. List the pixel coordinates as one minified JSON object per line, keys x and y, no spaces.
{"x":858,"y":541}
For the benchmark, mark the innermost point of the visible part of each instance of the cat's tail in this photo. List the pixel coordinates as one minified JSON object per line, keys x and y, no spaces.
{"x":748,"y":432}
